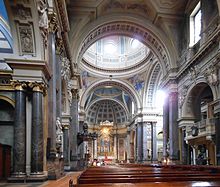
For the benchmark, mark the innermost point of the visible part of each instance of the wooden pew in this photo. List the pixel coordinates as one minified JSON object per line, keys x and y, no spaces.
{"x":139,"y":173}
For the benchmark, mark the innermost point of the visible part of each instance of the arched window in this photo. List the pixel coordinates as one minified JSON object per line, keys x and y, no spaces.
{"x":5,"y":34}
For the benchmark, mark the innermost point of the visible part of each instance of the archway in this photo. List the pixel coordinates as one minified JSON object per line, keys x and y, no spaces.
{"x":200,"y":134}
{"x":6,"y":136}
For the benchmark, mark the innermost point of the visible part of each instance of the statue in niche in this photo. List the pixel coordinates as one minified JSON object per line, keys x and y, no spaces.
{"x":59,"y":136}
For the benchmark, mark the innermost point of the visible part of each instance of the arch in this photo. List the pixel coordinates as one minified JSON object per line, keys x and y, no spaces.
{"x":117,"y":83}
{"x":7,"y":99}
{"x":151,"y":87}
{"x":108,"y":99}
{"x":5,"y":33}
{"x":192,"y":95}
{"x":131,"y":26}
{"x":112,"y":99}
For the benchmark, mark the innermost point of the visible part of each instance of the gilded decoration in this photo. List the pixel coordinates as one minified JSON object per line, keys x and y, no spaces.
{"x":59,"y":46}
{"x":53,"y":26}
{"x":105,"y":140}
{"x":19,"y":85}
{"x":37,"y":87}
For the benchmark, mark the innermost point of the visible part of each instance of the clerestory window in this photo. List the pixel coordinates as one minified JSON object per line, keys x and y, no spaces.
{"x":195,"y":25}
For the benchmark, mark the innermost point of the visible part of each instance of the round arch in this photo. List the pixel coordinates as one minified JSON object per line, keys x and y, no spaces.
{"x":9,"y":100}
{"x":112,"y":99}
{"x":117,"y":83}
{"x":193,"y":93}
{"x":131,"y":26}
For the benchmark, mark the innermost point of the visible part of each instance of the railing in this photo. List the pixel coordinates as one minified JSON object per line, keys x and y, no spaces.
{"x":204,"y":127}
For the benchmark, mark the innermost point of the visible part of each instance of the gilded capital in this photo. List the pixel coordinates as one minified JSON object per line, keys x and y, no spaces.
{"x":59,"y":46}
{"x":18,"y":85}
{"x":37,"y":87}
{"x":53,"y":25}
{"x":75,"y":93}
{"x":65,"y":126}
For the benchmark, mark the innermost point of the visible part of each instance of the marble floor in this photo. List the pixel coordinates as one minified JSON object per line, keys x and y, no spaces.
{"x":62,"y":182}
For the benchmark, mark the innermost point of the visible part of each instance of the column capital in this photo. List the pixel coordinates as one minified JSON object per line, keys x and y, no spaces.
{"x":65,"y":126}
{"x":18,"y":85}
{"x":59,"y":46}
{"x":75,"y":93}
{"x":53,"y":26}
{"x":37,"y":87}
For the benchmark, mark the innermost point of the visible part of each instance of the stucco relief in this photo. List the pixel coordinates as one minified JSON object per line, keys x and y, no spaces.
{"x":22,"y":12}
{"x":26,"y":39}
{"x":65,"y":69}
{"x":194,"y":71}
{"x":182,"y":95}
{"x":211,"y":75}
{"x":42,"y":7}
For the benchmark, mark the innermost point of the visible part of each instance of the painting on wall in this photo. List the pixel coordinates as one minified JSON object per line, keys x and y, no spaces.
{"x":137,"y":81}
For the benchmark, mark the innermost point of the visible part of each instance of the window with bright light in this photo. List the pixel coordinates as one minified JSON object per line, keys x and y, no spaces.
{"x":160,"y":97}
{"x":195,"y":25}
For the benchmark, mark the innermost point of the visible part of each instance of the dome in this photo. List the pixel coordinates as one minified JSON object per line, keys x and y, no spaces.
{"x":116,"y":52}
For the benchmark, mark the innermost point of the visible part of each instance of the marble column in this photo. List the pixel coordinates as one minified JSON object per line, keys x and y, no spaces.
{"x":153,"y":141}
{"x":74,"y":129}
{"x":173,"y":127}
{"x":116,"y":147}
{"x":59,"y":50}
{"x":66,"y":142}
{"x":165,"y":127}
{"x":95,"y":149}
{"x":139,"y":133}
{"x":37,"y":139}
{"x":19,"y":153}
{"x":52,"y":96}
{"x":184,"y":146}
{"x":128,"y":146}
{"x":145,"y":137}
{"x":132,"y":146}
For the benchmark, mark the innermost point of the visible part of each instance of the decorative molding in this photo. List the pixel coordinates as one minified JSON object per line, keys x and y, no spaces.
{"x":53,"y":24}
{"x":22,"y":13}
{"x":63,"y":15}
{"x":127,"y":28}
{"x":211,"y":75}
{"x":182,"y":95}
{"x":65,"y":69}
{"x":135,"y":66}
{"x":19,"y":85}
{"x":42,"y":7}
{"x":204,"y":50}
{"x":37,"y":87}
{"x":75,"y":93}
{"x":26,"y":38}
{"x":194,"y":71}
{"x":59,"y":46}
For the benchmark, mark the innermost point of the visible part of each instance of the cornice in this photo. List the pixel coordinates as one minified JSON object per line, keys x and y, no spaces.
{"x":122,"y":70}
{"x":63,"y":15}
{"x":30,"y":64}
{"x":204,"y":50}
